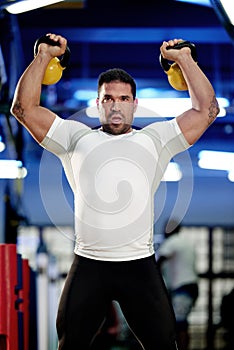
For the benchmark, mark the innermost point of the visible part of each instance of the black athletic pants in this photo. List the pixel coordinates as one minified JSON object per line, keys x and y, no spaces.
{"x":138,"y":287}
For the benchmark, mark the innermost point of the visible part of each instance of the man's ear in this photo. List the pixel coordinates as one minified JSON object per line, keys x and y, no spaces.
{"x":97,"y":102}
{"x":135,"y":104}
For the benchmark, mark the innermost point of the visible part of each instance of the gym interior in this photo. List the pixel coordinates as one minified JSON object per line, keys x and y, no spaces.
{"x":36,"y":210}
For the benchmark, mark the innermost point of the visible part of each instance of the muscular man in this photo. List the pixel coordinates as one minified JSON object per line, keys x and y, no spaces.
{"x":114,"y":173}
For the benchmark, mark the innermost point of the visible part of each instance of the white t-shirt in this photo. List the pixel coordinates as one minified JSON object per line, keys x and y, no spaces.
{"x":114,"y":179}
{"x":179,"y":268}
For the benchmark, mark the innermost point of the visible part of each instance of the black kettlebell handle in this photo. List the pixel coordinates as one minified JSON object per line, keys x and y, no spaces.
{"x":165,"y":63}
{"x":45,"y":39}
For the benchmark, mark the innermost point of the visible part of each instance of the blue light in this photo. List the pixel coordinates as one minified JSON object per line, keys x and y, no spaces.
{"x":197,"y":2}
{"x":217,"y":160}
{"x":85,"y":95}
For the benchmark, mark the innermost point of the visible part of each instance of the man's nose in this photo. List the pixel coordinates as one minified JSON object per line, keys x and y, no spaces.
{"x":115,"y":106}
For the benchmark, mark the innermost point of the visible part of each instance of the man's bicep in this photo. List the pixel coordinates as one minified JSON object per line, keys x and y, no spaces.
{"x":192,"y":124}
{"x":37,"y":121}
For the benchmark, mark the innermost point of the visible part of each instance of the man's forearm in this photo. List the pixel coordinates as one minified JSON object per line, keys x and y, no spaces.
{"x":200,"y":89}
{"x":28,"y":90}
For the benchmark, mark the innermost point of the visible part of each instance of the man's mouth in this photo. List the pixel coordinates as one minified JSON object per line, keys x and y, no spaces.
{"x":116,"y":119}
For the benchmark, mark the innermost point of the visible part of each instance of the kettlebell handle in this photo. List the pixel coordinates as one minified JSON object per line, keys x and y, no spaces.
{"x":45,"y":39}
{"x":165,"y":63}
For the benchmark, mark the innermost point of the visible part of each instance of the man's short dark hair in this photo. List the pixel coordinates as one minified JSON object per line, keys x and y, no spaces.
{"x":119,"y":75}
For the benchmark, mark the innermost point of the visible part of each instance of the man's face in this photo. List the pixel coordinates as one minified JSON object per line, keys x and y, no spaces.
{"x":116,"y":107}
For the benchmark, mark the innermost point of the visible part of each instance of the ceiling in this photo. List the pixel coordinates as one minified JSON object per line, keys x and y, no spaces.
{"x":128,"y":34}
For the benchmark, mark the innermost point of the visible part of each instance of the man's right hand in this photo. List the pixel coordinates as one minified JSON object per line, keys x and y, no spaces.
{"x":55,"y":50}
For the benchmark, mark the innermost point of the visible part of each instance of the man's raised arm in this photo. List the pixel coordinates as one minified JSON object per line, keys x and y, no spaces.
{"x":26,"y":103}
{"x":205,"y":107}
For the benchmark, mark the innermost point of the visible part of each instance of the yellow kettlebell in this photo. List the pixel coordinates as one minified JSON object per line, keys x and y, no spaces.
{"x":173,"y":71}
{"x":56,"y":66}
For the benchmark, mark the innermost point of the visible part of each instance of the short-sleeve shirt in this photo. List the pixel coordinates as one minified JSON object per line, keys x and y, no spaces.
{"x":114,"y":179}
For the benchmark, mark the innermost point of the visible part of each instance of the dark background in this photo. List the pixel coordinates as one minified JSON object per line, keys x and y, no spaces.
{"x":127,"y":34}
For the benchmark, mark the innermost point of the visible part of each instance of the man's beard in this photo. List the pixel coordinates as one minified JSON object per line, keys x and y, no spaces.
{"x":116,"y":129}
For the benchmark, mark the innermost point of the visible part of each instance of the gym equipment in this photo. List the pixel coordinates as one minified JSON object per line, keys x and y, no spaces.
{"x":14,"y":299}
{"x":8,"y":296}
{"x":56,"y":66}
{"x":173,"y":71}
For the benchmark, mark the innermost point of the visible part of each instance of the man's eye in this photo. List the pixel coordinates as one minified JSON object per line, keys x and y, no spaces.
{"x":107,"y":99}
{"x":125,"y":98}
